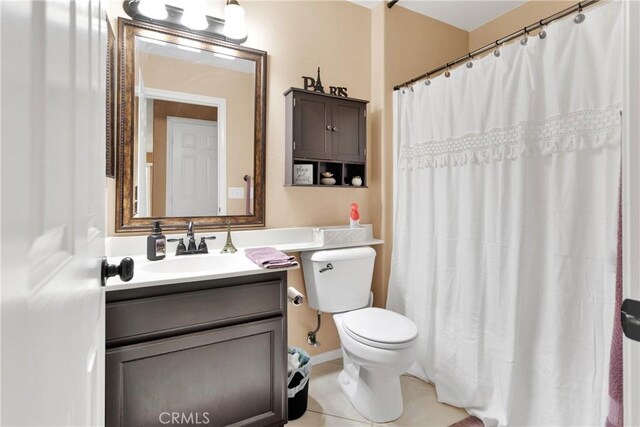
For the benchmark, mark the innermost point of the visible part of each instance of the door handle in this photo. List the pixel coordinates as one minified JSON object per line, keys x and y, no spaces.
{"x":630,"y":317}
{"x":124,"y":270}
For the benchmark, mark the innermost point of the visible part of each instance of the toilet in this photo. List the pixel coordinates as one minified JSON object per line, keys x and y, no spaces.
{"x":378,"y":345}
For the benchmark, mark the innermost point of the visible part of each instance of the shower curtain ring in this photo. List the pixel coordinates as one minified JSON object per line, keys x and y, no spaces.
{"x":525,"y":37}
{"x":579,"y":19}
{"x":428,"y":81}
{"x":542,"y":34}
{"x":496,"y":52}
{"x":470,"y":63}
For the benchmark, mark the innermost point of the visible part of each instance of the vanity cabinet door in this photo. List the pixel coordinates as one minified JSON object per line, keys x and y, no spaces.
{"x":348,"y":130}
{"x":234,"y":375}
{"x":311,"y":116}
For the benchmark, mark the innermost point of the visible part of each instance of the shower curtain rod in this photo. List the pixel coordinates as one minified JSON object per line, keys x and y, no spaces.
{"x":568,"y":11}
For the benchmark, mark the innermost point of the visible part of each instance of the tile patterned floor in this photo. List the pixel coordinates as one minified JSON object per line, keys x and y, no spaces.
{"x":328,"y":406}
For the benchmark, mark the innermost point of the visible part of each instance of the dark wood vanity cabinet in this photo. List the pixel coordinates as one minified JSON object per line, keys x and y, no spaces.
{"x":209,"y":353}
{"x":327,"y":132}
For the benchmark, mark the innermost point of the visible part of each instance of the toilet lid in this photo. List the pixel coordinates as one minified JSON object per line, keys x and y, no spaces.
{"x":377,"y":325}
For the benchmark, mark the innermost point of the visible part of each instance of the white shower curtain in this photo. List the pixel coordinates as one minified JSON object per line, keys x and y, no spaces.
{"x":504,"y":250}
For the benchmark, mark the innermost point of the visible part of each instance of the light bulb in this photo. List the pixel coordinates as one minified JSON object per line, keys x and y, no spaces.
{"x":154,"y":9}
{"x":235,"y":26}
{"x":194,"y":16}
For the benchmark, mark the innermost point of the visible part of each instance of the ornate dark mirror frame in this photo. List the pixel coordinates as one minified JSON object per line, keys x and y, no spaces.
{"x":125,"y":221}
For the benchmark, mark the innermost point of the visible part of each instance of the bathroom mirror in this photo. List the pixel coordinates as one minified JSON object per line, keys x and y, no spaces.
{"x":191,"y":130}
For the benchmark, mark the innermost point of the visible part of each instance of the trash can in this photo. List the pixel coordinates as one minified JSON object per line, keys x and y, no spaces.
{"x":298,"y":372}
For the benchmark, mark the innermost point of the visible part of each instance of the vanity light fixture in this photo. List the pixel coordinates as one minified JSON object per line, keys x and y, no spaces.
{"x":194,"y":15}
{"x":235,"y":26}
{"x":154,"y":9}
{"x":193,"y":18}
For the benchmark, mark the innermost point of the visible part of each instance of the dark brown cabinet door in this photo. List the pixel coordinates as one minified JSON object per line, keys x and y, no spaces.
{"x":348,"y":130}
{"x":311,"y":116}
{"x":234,"y":375}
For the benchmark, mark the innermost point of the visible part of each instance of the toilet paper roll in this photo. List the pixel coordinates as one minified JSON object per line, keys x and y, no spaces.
{"x":294,"y":296}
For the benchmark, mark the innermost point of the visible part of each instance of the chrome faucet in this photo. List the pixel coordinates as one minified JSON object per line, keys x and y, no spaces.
{"x":191,"y":236}
{"x":191,"y":249}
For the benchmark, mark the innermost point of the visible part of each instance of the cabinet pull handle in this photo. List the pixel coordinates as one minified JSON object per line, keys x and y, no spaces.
{"x":328,"y":127}
{"x":335,"y":129}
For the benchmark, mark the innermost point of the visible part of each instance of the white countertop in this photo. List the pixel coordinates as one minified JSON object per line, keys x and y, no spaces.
{"x":149,"y":273}
{"x":238,"y":265}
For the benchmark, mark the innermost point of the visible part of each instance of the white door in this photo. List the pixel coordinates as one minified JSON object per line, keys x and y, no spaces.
{"x":631,"y":207}
{"x":194,"y":174}
{"x":52,"y":91}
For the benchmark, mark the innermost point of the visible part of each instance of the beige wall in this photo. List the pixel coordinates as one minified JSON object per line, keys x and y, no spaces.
{"x":300,"y":36}
{"x":369,"y":51}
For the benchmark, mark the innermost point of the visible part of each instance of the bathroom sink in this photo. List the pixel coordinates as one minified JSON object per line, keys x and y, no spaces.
{"x":195,"y":264}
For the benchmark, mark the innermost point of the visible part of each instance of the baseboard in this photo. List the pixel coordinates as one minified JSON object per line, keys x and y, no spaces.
{"x":326,"y":356}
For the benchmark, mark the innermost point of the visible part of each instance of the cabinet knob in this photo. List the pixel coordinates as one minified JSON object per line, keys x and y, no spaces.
{"x":335,"y":129}
{"x":328,"y":127}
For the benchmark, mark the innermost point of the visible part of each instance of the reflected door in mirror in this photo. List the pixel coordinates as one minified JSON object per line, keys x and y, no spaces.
{"x":192,"y":188}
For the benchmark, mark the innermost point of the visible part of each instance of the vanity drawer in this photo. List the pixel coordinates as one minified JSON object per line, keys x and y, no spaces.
{"x":145,"y":318}
{"x":214,"y":373}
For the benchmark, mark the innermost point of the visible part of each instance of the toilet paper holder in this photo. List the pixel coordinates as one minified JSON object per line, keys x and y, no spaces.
{"x":295,"y":297}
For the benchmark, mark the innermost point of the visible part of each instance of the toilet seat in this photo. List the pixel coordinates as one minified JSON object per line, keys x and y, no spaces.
{"x":380,"y":328}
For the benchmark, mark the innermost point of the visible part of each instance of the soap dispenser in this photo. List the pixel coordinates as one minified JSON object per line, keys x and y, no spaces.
{"x":156,"y":243}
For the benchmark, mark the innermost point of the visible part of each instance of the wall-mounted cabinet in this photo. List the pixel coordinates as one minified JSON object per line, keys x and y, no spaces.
{"x":328,"y":133}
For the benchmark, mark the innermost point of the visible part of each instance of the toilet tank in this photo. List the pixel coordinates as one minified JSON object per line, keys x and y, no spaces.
{"x":344,"y":287}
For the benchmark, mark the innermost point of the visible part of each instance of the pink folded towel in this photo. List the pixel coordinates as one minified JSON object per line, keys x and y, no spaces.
{"x":270,"y":258}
